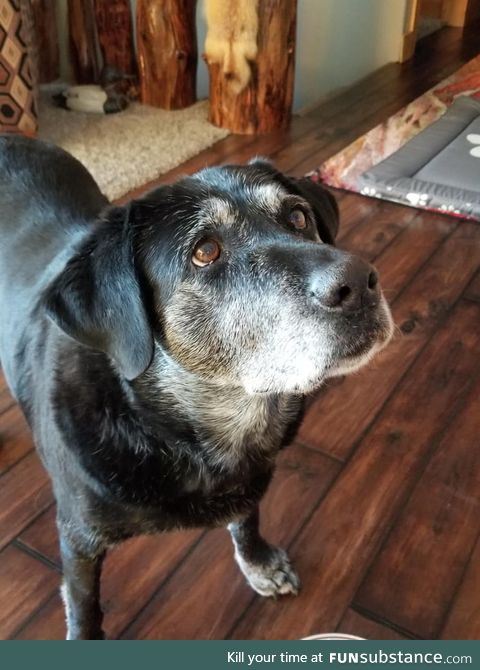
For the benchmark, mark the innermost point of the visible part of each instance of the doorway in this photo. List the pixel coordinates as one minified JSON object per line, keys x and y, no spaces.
{"x":426,"y":16}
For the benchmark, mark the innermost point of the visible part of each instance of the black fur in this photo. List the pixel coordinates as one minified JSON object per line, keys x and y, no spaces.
{"x":85,"y":341}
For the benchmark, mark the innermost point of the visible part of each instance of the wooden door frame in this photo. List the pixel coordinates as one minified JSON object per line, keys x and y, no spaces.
{"x":455,"y":13}
{"x":410,"y":30}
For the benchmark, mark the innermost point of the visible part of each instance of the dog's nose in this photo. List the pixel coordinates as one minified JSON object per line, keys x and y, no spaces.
{"x":346,"y":287}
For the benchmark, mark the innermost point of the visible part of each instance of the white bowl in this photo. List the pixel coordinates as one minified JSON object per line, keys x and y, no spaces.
{"x":333,"y":636}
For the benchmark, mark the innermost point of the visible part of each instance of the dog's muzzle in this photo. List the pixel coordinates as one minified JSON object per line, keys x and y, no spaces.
{"x":348,"y":292}
{"x":346,"y":287}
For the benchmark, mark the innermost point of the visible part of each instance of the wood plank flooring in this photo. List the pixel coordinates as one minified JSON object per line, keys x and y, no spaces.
{"x":378,"y":500}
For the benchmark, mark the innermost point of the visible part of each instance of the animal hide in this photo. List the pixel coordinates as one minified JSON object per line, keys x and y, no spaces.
{"x":232,"y":38}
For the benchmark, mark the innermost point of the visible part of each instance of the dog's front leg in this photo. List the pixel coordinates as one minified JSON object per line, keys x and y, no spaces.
{"x":267,"y":568}
{"x":81,"y":592}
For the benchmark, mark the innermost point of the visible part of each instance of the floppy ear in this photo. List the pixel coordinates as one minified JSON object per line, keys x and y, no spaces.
{"x":97,"y":298}
{"x":321,"y":201}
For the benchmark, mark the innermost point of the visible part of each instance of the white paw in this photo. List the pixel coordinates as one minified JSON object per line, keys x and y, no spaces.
{"x":273,"y":577}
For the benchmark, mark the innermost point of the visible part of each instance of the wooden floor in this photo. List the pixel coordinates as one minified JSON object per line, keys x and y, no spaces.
{"x":378,"y":500}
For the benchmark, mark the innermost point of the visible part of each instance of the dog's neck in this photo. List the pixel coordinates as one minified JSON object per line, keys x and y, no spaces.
{"x":228,"y":422}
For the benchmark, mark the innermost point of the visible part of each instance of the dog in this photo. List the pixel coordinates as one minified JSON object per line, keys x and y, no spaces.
{"x":161,"y":350}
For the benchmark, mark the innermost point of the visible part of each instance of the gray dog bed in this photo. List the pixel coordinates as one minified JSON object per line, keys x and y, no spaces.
{"x":438,"y":169}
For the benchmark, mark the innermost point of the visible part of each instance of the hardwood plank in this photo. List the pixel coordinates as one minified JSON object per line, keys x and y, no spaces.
{"x":371,"y":236}
{"x":41,"y":536}
{"x":463,"y":622}
{"x":354,"y":623}
{"x":442,"y":519}
{"x":326,"y":140}
{"x":287,"y":157}
{"x":270,"y":144}
{"x":132,"y":572}
{"x":472,"y":291}
{"x":24,"y":492}
{"x":15,"y":438}
{"x":24,"y":585}
{"x":301,"y":479}
{"x":409,"y":251}
{"x":335,"y":547}
{"x":48,"y":622}
{"x":353,"y":210}
{"x":6,"y":399}
{"x":343,"y":410}
{"x":210,"y":576}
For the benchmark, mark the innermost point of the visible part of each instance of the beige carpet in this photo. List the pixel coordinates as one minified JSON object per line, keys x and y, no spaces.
{"x":128,"y":149}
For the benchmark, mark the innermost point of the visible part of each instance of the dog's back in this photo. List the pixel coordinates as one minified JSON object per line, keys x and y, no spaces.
{"x":47,"y":199}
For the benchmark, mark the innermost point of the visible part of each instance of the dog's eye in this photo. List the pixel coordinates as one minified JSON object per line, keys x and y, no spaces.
{"x":298,"y":219}
{"x":206,"y":252}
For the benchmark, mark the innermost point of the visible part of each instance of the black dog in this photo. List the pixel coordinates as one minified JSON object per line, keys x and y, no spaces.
{"x":160,"y":351}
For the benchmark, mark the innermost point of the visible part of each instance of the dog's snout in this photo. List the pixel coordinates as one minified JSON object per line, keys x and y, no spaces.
{"x":346,"y":287}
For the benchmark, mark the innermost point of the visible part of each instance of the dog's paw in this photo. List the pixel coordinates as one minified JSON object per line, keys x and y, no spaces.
{"x":272,"y":577}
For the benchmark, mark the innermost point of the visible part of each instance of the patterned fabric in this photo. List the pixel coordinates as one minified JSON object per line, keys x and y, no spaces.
{"x":17,"y":96}
{"x":438,"y":169}
{"x":345,"y":168}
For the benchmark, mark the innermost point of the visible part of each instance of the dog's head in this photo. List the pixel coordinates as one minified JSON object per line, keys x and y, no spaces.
{"x":232,"y":273}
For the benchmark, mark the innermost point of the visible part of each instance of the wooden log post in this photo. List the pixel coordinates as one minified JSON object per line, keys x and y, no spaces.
{"x":46,"y":39}
{"x":84,"y":47}
{"x":167,"y":52}
{"x":115,"y":34}
{"x":265,"y":102}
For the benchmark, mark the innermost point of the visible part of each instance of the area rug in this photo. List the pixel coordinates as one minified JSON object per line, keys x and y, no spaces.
{"x":128,"y":149}
{"x":351,"y":168}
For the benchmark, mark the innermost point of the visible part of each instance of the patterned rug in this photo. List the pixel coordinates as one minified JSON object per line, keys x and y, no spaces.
{"x":344,"y":169}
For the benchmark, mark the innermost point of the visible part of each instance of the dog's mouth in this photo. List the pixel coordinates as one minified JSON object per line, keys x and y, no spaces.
{"x":341,"y":364}
{"x":370,"y":344}
{"x":354,"y":356}
{"x":299,"y":369}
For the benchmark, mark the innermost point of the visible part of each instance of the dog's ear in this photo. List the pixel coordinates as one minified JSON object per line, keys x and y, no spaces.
{"x":321,"y":201}
{"x":97,"y":298}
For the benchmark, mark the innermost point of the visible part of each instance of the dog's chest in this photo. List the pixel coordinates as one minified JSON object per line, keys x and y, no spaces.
{"x":217,"y":477}
{"x":230,"y":426}
{"x":233,"y":427}
{"x":237,"y":437}
{"x":207,"y":457}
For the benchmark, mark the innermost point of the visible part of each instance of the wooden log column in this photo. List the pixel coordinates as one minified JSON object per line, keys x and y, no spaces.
{"x":84,"y":48}
{"x":115,"y":34}
{"x":265,"y":103}
{"x":167,"y":52}
{"x":46,"y":40}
